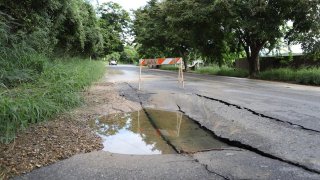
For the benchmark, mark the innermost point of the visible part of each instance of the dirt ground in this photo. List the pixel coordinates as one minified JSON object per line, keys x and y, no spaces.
{"x":68,"y":134}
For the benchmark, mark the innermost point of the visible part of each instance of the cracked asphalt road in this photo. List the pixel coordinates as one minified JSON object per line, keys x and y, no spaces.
{"x":275,"y":126}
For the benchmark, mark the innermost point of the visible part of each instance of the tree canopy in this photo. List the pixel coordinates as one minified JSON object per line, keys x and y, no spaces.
{"x":114,"y":22}
{"x":217,"y":29}
{"x":66,"y":27}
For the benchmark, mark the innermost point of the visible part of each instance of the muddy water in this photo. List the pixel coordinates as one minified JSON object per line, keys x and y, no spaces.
{"x":152,"y":131}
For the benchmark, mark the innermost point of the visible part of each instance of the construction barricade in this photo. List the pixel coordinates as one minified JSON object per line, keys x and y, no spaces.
{"x":162,"y":61}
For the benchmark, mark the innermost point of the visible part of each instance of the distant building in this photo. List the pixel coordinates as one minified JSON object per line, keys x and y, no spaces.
{"x":283,"y":50}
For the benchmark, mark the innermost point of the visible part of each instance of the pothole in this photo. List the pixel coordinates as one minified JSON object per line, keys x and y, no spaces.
{"x":151,"y":131}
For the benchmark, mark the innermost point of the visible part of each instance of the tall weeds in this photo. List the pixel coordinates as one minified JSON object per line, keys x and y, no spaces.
{"x":34,"y":88}
{"x":222,"y":71}
{"x":307,"y":76}
{"x":56,"y":90}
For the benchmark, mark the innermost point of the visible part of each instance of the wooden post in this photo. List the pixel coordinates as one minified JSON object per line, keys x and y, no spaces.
{"x":139,"y":121}
{"x":179,"y":75}
{"x":140,"y":75}
{"x":182,"y":80}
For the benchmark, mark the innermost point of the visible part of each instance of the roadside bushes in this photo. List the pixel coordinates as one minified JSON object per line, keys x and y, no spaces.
{"x":213,"y":70}
{"x":56,"y":90}
{"x":223,"y":71}
{"x":19,"y":62}
{"x":22,"y":69}
{"x":169,"y":67}
{"x":307,"y":76}
{"x":208,"y":70}
{"x":33,"y":86}
{"x":227,"y":71}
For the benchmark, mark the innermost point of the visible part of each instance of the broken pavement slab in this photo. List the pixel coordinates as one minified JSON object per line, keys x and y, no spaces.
{"x":247,"y":165}
{"x":225,"y":164}
{"x":291,"y":144}
{"x":266,"y":139}
{"x":286,"y":142}
{"x":104,"y":165}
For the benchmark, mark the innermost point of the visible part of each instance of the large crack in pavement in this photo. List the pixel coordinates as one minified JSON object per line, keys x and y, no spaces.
{"x":240,"y":145}
{"x":150,"y":119}
{"x":155,"y":127}
{"x":258,"y":114}
{"x":211,"y":171}
{"x":236,"y":143}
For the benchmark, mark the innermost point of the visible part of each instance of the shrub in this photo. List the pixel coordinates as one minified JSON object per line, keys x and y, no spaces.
{"x":227,"y":71}
{"x":56,"y":90}
{"x":222,"y":71}
{"x":281,"y":74}
{"x":208,"y":70}
{"x":169,"y":67}
{"x":308,"y":76}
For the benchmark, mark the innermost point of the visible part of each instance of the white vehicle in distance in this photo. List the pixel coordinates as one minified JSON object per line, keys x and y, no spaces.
{"x":113,"y":62}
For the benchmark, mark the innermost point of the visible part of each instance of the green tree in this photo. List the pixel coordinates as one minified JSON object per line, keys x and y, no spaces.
{"x":221,"y":30}
{"x":306,"y":28}
{"x":129,"y":55}
{"x":182,"y":27}
{"x":155,"y":32}
{"x":114,"y":23}
{"x":67,"y":27}
{"x":149,"y":28}
{"x":198,"y":24}
{"x":260,"y":24}
{"x":114,"y":56}
{"x":93,"y":44}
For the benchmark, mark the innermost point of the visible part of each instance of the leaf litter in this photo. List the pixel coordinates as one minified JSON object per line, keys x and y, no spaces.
{"x":69,"y":134}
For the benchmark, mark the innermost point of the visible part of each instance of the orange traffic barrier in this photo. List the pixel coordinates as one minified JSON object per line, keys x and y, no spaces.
{"x":161,"y":61}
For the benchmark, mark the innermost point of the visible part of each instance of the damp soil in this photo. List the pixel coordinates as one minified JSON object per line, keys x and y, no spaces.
{"x":68,"y":134}
{"x":151,"y":131}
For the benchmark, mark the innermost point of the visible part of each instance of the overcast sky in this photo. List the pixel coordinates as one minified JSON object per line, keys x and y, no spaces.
{"x":126,"y":4}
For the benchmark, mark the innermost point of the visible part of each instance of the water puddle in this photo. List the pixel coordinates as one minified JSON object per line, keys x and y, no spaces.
{"x":152,"y":131}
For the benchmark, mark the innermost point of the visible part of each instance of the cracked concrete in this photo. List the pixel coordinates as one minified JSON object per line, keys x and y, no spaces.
{"x":260,"y":133}
{"x":238,"y":124}
{"x":104,"y":165}
{"x":195,"y":107}
{"x":248,"y":165}
{"x":279,"y":146}
{"x":260,"y":114}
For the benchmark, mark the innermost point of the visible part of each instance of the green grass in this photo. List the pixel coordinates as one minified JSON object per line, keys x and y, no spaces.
{"x":208,"y":70}
{"x":55,"y":90}
{"x":169,"y":67}
{"x":213,"y":70}
{"x":222,"y":71}
{"x":20,"y":68}
{"x":307,"y":76}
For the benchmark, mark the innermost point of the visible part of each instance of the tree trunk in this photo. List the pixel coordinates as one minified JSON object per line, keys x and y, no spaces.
{"x":254,"y":63}
{"x":220,"y":62}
